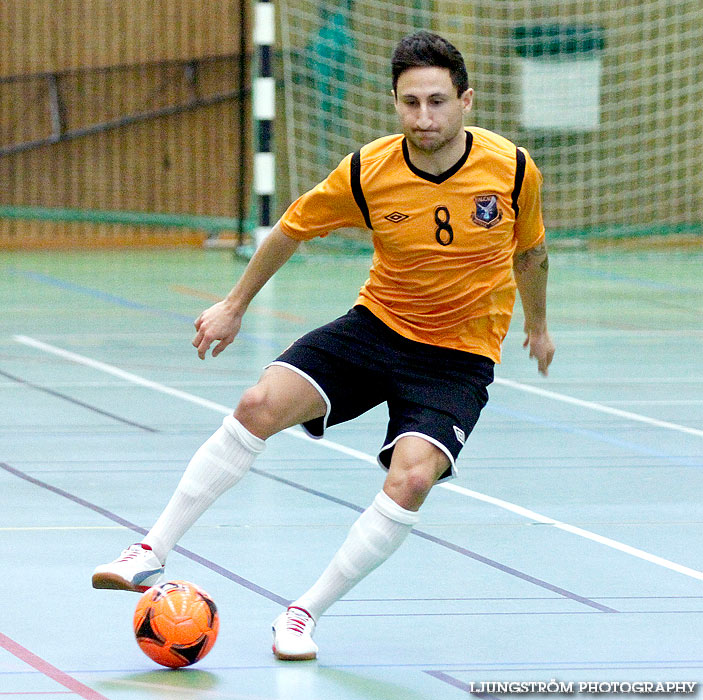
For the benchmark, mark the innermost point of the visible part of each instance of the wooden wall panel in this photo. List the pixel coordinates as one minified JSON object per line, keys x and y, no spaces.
{"x":42,"y":36}
{"x":124,"y":62}
{"x":53,"y":235}
{"x":186,"y":163}
{"x":23,"y":111}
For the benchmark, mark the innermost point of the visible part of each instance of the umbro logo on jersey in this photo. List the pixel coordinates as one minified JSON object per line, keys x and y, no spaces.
{"x":460,"y":434}
{"x":396,"y":217}
{"x":486,"y":213}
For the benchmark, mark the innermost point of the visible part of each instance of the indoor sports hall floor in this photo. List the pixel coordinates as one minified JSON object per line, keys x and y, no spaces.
{"x":569,"y":548}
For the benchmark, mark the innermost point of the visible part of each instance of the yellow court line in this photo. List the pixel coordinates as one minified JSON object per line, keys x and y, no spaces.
{"x":208,"y":296}
{"x":190,"y":690}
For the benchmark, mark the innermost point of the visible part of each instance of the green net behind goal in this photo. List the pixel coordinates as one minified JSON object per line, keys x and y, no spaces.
{"x":605,"y":95}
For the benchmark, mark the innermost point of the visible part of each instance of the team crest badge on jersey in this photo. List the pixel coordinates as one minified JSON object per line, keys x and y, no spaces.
{"x":486,"y":213}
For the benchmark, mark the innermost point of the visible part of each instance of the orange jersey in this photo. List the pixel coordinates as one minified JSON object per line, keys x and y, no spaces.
{"x":442,"y":270}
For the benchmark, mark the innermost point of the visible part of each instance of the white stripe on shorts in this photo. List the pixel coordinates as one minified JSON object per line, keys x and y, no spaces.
{"x":434,"y":441}
{"x":324,"y":396}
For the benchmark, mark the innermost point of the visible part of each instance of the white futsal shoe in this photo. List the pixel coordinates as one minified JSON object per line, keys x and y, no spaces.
{"x":136,"y":569}
{"x":292,"y":635}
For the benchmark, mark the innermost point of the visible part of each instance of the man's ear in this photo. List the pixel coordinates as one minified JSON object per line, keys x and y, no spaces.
{"x":468,"y":99}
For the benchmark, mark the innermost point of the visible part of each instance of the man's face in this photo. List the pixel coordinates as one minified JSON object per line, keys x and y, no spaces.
{"x":431,"y":114}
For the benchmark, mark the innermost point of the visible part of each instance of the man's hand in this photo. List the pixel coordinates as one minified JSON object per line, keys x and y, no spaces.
{"x":219,"y":322}
{"x":541,"y":349}
{"x":531,"y":268}
{"x":223,"y":320}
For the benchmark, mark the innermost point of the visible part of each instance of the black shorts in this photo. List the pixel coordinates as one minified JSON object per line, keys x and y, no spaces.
{"x":357,"y":362}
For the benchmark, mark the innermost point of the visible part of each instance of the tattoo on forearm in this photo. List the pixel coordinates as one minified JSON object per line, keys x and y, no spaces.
{"x":525,"y":260}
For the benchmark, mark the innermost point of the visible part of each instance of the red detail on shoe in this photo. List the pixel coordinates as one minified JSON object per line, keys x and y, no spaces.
{"x":297,"y":624}
{"x":295,"y":607}
{"x":132,"y":553}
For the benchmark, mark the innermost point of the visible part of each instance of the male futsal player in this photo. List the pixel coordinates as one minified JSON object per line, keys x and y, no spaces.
{"x":455,"y":217}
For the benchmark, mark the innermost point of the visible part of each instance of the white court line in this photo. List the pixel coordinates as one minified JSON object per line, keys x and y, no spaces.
{"x":177,"y":393}
{"x":647,"y":402}
{"x":117,"y":372}
{"x":295,"y":432}
{"x":564,"y":398}
{"x":607,"y":541}
{"x":618,"y":332}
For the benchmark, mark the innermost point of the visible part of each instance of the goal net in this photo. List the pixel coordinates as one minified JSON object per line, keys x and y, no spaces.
{"x":606,"y":97}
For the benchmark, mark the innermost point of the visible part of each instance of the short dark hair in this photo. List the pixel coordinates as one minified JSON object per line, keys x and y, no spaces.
{"x":425,"y":49}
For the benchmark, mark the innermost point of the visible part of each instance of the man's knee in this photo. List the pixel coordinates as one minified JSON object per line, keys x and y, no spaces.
{"x":417,"y":481}
{"x":256,"y":412}
{"x":416,"y":466}
{"x":280,"y":399}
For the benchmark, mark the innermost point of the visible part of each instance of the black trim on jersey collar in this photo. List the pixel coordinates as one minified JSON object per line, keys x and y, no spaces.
{"x":438,"y":179}
{"x":355,"y":176}
{"x":519,"y":177}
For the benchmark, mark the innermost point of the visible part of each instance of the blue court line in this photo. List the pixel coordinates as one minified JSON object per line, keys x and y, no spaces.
{"x":269,"y":594}
{"x":517,"y":613}
{"x":451,"y":668}
{"x":572,"y":665}
{"x":124,"y":302}
{"x":142,"y":531}
{"x":493,"y":407}
{"x":522,"y":598}
{"x":644,"y":665}
{"x":460,"y":685}
{"x":77,"y":402}
{"x":636,"y":281}
{"x":98,"y":294}
{"x":449,"y":545}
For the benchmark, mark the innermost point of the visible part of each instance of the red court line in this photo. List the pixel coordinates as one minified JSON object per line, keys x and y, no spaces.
{"x":48,"y":670}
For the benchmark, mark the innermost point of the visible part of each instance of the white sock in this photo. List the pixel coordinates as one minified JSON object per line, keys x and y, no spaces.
{"x":376,"y":534}
{"x":219,"y":464}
